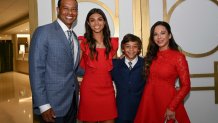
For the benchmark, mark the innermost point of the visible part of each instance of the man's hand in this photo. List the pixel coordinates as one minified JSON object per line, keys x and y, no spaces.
{"x":49,"y":115}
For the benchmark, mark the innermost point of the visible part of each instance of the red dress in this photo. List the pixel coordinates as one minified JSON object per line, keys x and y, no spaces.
{"x":97,"y":95}
{"x":160,"y":93}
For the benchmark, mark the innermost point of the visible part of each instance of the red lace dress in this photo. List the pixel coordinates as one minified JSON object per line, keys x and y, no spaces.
{"x":160,"y":93}
{"x":97,"y":96}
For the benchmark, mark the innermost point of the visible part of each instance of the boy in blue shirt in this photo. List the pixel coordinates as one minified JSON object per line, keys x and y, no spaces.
{"x":128,"y":77}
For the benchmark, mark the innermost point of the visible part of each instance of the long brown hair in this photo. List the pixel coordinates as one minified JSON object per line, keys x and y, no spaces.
{"x":89,"y":35}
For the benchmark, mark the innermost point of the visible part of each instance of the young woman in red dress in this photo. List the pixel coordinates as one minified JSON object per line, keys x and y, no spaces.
{"x":164,"y":64}
{"x":97,"y":96}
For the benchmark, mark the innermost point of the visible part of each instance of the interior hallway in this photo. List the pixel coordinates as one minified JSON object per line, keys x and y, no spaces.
{"x":15,"y":98}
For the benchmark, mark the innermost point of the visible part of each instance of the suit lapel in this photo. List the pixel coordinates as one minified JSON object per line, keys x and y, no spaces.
{"x":63,"y":38}
{"x":139,"y":62}
{"x":124,"y":64}
{"x":78,"y":53}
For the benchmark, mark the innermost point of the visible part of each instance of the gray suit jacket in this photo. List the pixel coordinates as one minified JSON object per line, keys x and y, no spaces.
{"x":52,"y":72}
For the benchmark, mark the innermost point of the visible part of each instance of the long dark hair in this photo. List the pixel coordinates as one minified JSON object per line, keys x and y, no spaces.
{"x":153,"y":47}
{"x":89,"y":35}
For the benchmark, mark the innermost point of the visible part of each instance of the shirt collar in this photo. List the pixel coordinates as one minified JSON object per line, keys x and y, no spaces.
{"x":63,"y":26}
{"x":134,"y":61}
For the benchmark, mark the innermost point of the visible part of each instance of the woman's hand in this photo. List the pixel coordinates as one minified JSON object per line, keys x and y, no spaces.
{"x":170,"y":114}
{"x":121,"y":56}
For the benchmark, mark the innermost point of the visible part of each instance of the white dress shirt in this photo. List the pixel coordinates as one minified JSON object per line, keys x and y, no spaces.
{"x":134,"y":61}
{"x":65,"y":29}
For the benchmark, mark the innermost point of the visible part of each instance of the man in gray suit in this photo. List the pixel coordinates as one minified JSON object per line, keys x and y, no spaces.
{"x":53,"y":63}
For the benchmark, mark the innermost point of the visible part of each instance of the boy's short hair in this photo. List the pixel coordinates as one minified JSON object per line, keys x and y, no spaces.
{"x":132,"y":38}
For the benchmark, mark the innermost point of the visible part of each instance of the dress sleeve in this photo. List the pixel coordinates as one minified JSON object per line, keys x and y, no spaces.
{"x":82,"y":41}
{"x":114,"y":43}
{"x":83,"y":49}
{"x":184,"y":78}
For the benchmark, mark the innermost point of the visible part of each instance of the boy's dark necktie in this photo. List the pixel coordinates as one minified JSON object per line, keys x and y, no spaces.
{"x":130,"y":65}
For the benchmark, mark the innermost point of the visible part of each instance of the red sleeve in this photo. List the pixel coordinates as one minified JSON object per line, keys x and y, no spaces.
{"x":184,"y":78}
{"x":82,"y":41}
{"x":114,"y":43}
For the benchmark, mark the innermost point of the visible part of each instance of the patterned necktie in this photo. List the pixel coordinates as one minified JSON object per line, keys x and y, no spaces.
{"x":70,"y":39}
{"x":130,"y":65}
{"x":69,"y":33}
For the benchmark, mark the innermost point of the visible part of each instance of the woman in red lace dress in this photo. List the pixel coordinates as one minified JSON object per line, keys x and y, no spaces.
{"x":97,"y":96}
{"x":164,"y":64}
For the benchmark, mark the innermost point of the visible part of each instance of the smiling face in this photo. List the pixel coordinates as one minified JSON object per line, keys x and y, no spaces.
{"x":131,"y":50}
{"x":161,"y":37}
{"x":67,"y":12}
{"x":96,"y":23}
